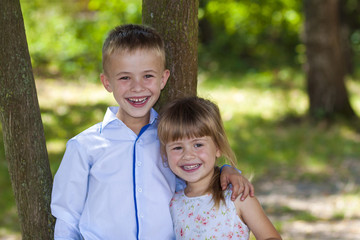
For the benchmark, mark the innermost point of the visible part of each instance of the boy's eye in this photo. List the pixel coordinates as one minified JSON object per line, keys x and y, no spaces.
{"x":125,"y":78}
{"x":149,"y":76}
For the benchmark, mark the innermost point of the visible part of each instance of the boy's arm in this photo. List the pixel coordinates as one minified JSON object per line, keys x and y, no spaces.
{"x":180,"y":184}
{"x":69,"y":192}
{"x":240,"y":184}
{"x":64,"y":231}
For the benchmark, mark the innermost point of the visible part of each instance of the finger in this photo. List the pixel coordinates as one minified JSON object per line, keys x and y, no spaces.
{"x":252,"y":190}
{"x":236,"y":191}
{"x":245,"y":192}
{"x":223,"y":182}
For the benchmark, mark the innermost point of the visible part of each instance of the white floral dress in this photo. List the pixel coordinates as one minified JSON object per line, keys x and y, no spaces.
{"x":197,"y":218}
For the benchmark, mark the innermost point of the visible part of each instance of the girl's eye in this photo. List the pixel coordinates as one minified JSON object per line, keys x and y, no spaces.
{"x":197,"y":145}
{"x":177,"y":148}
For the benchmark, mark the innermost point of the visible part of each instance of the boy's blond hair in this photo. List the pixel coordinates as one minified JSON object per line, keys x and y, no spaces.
{"x":132,"y":37}
{"x":191,"y":117}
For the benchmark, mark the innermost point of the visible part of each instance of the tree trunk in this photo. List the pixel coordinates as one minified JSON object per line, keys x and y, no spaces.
{"x":23,"y":133}
{"x":177,"y":22}
{"x":325,"y":66}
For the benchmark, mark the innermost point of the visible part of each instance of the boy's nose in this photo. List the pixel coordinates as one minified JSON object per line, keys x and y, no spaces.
{"x":137,"y":85}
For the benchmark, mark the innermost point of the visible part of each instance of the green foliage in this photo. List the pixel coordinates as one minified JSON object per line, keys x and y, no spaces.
{"x":239,"y":35}
{"x":269,"y":145}
{"x":65,"y":37}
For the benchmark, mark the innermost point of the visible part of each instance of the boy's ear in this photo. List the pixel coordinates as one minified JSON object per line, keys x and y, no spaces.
{"x":164,"y":78}
{"x":105,"y":81}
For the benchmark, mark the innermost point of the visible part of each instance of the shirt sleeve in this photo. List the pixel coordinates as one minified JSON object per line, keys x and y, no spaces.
{"x":64,"y":231}
{"x":69,"y":191}
{"x":227,"y":165}
{"x":180,"y":184}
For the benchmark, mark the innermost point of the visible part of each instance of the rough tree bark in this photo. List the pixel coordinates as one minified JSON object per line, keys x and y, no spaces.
{"x":325,"y":64}
{"x":177,"y":22}
{"x":25,"y":147}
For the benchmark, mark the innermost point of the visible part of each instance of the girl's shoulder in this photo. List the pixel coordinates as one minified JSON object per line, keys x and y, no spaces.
{"x":227,"y":194}
{"x":178,"y":194}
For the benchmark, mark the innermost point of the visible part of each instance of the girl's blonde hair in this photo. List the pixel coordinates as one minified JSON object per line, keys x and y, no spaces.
{"x":193,"y":117}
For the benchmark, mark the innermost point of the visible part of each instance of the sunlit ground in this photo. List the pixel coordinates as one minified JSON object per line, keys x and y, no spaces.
{"x":305,"y":173}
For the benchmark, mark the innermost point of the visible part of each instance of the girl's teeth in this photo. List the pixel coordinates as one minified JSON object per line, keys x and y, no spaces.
{"x":191,"y":167}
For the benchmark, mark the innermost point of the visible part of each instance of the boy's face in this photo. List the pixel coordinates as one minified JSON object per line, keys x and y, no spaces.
{"x":136,"y":79}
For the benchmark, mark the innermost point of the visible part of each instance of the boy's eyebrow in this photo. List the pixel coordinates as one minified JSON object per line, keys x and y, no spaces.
{"x":150,"y":70}
{"x":127,"y":73}
{"x":121,"y":73}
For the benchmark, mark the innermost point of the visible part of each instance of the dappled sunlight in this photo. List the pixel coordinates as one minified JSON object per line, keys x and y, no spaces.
{"x":311,"y":211}
{"x":255,"y":96}
{"x":58,"y":94}
{"x":353,"y":87}
{"x":305,"y":174}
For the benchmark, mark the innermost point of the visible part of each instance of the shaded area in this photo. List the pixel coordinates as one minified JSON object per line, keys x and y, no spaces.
{"x":305,"y":173}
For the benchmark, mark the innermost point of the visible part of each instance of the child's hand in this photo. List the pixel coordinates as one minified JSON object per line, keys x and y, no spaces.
{"x":240,"y":184}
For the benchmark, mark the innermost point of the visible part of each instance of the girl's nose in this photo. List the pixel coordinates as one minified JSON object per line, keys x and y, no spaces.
{"x":189,"y":154}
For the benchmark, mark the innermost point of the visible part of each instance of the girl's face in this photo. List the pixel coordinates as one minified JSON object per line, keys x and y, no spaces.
{"x":193,"y":159}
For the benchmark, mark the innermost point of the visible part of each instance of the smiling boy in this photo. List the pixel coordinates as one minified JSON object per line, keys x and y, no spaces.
{"x":111,"y":183}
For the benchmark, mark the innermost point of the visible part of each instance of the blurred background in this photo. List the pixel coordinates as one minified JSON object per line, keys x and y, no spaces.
{"x":306,"y":173}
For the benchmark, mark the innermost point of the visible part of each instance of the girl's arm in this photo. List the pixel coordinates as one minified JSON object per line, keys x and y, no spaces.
{"x":253,"y":215}
{"x":240,"y":184}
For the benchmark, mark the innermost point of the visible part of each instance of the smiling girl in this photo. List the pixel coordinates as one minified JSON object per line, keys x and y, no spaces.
{"x":192,"y":138}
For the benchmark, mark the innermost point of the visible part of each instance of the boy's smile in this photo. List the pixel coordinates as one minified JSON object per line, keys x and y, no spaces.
{"x":136,"y":79}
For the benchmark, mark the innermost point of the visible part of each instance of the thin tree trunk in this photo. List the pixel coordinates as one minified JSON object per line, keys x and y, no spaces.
{"x":325,"y":64}
{"x":177,"y":22}
{"x":23,"y":133}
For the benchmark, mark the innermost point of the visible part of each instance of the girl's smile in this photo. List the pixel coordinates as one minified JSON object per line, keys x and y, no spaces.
{"x":193,"y":159}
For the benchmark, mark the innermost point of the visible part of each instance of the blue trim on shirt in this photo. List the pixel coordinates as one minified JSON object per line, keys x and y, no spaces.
{"x":143,"y":129}
{"x":227,"y":165}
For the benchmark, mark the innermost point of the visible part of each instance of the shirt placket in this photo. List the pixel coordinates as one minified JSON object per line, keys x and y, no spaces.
{"x":138,"y":181}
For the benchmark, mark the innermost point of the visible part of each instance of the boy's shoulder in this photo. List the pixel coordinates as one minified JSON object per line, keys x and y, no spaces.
{"x":88,"y":134}
{"x":96,"y":129}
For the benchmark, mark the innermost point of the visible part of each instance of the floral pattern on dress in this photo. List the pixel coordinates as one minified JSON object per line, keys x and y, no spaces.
{"x":196,"y":218}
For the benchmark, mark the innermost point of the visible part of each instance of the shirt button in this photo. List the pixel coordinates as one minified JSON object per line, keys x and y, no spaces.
{"x":139,"y":189}
{"x":139,"y":164}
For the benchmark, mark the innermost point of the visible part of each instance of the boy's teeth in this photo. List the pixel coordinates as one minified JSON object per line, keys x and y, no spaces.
{"x":190,"y":167}
{"x":137,"y":100}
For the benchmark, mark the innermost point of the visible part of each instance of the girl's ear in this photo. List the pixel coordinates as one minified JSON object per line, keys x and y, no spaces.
{"x":105,"y":81}
{"x":218,"y":152}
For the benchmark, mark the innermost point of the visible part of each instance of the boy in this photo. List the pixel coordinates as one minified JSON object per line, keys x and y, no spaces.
{"x":111,"y":183}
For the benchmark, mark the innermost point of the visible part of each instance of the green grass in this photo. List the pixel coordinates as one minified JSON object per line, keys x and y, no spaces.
{"x":263,"y":115}
{"x":264,"y":118}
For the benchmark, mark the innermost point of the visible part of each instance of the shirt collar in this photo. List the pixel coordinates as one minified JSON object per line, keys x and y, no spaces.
{"x":110,"y":116}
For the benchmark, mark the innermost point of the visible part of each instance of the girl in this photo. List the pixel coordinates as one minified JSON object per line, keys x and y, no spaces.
{"x":192,"y":137}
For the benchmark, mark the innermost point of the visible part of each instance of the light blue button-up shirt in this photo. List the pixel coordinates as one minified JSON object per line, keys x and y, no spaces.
{"x":112,"y":184}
